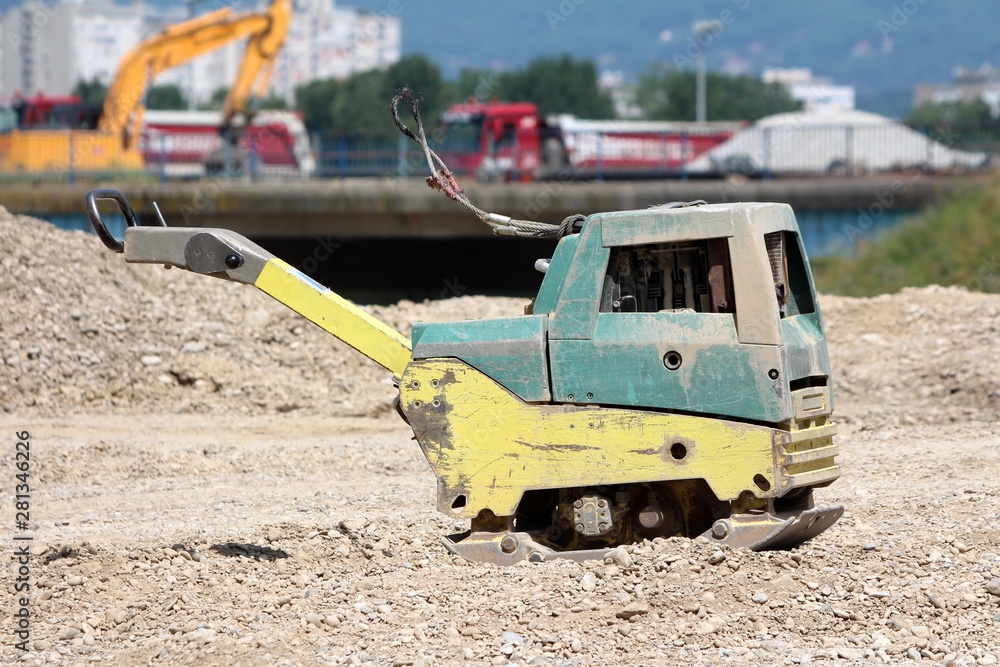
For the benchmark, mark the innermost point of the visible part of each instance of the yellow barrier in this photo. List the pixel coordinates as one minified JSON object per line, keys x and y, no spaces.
{"x":32,"y":151}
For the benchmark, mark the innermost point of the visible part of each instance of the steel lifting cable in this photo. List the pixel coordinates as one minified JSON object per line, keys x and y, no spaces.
{"x":443,"y":179}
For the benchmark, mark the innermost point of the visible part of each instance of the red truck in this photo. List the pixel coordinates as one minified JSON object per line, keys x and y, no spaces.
{"x":510,"y":141}
{"x":180,"y":141}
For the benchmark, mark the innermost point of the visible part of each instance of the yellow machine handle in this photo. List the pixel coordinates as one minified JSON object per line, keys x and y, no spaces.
{"x":336,"y":315}
{"x":225,"y":254}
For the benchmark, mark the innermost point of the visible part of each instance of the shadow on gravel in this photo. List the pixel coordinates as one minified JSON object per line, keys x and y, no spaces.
{"x":63,"y":551}
{"x":238,"y":550}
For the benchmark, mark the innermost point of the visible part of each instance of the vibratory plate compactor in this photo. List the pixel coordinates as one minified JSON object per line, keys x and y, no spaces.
{"x":671,"y":378}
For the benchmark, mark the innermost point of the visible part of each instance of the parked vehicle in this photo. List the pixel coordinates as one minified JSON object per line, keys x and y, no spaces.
{"x":511,"y":141}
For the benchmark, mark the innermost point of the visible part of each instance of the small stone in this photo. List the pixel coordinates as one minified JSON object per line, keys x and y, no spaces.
{"x":993,"y":587}
{"x":507,"y":649}
{"x":937,"y":602}
{"x":705,"y":629}
{"x":913,"y":654}
{"x":150,"y":360}
{"x":624,"y":630}
{"x":987,"y":660}
{"x":619,"y":557}
{"x":352,"y":525}
{"x":69,"y":633}
{"x":576,"y":645}
{"x":75,"y":580}
{"x":716,"y":558}
{"x":871,"y":546}
{"x":589,"y":582}
{"x":850,"y":653}
{"x":637,"y":608}
{"x":314,"y":619}
{"x":961,"y":546}
{"x":759,"y":598}
{"x":42,"y":645}
{"x":512,"y":638}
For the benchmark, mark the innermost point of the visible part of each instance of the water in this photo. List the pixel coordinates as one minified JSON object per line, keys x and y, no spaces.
{"x":825,"y":233}
{"x":828,"y":233}
{"x":113,"y":220}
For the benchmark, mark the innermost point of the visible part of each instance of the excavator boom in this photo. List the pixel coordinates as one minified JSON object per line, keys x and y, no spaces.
{"x":178,"y":44}
{"x":114,"y":144}
{"x":258,"y":63}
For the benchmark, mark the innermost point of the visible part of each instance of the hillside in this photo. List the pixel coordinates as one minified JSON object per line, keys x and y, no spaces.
{"x":842,"y":40}
{"x":878,"y":47}
{"x":955,"y":243}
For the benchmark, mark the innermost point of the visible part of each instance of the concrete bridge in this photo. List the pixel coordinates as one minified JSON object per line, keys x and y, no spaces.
{"x":408,"y":209}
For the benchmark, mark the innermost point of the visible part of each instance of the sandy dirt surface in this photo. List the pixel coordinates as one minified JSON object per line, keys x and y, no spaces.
{"x":217,"y":482}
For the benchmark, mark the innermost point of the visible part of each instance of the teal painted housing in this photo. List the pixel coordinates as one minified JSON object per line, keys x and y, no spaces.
{"x":741,"y":364}
{"x":511,"y":350}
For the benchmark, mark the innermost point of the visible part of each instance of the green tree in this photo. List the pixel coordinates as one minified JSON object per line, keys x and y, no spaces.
{"x":314,"y":101}
{"x":959,"y":111}
{"x":90,"y":92}
{"x":273,"y":102}
{"x":558,"y":85}
{"x":218,"y":98}
{"x":421,"y":76}
{"x":361,"y":104}
{"x":965,"y":124}
{"x":167,"y":97}
{"x":481,"y":84}
{"x":356,"y":104}
{"x":668,"y":93}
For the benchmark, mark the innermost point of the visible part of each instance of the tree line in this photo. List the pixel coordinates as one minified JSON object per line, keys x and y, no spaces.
{"x":166,"y":97}
{"x":559,"y":84}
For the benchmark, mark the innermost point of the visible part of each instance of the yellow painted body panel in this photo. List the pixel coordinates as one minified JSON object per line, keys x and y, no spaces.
{"x":486,"y":444}
{"x":336,"y":315}
{"x":62,"y":150}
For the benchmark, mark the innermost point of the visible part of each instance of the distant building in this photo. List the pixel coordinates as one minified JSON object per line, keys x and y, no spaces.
{"x":622,"y":94}
{"x":329,"y":42}
{"x":816,"y":94}
{"x":968,"y":85}
{"x":49,"y":47}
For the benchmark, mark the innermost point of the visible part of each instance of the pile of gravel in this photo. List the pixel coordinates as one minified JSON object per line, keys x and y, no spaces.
{"x":85,"y":330}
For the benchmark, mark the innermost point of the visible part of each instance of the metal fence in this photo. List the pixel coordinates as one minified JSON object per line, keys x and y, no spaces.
{"x":763,"y":150}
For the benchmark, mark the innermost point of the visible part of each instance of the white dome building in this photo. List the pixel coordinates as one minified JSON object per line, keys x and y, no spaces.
{"x":832,"y":142}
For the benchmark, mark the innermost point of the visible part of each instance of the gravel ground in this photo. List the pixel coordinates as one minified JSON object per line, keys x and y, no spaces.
{"x":216,"y":482}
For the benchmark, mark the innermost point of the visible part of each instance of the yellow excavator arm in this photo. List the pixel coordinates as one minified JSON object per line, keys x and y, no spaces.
{"x":258,"y":62}
{"x":180,"y":43}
